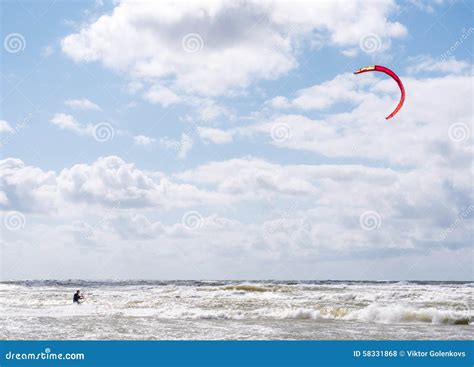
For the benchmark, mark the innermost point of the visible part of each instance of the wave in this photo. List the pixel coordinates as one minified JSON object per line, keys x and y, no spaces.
{"x":246,"y":288}
{"x":199,"y":283}
{"x":400,"y":302}
{"x":371,"y":314}
{"x":404,"y":314}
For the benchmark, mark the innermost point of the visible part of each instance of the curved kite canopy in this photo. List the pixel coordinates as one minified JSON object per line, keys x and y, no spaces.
{"x":394,"y":76}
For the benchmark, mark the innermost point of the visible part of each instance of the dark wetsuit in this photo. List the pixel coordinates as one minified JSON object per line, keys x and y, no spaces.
{"x":76,"y":298}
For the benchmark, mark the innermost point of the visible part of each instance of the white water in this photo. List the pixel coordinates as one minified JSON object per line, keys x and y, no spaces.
{"x":236,"y":310}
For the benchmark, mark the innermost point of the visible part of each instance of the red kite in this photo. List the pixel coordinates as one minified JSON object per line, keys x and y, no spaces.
{"x":395,"y":77}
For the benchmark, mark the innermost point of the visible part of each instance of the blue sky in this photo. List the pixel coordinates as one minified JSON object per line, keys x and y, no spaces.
{"x":245,"y":120}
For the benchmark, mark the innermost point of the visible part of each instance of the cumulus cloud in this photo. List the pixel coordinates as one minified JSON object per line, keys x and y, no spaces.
{"x":253,"y":178}
{"x":369,"y":187}
{"x":298,"y":211}
{"x":217,"y":48}
{"x":110,"y":180}
{"x":362,"y":132}
{"x":140,"y":226}
{"x":415,"y":201}
{"x":326,"y":202}
{"x":419,"y":128}
{"x":26,"y":188}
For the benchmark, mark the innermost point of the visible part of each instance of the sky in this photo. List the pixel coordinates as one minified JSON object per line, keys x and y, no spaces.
{"x":231,"y":140}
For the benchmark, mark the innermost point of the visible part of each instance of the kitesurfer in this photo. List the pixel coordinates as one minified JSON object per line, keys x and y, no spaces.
{"x":77,"y":297}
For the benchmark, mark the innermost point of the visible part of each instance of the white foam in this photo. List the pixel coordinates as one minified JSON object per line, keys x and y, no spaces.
{"x":369,"y":303}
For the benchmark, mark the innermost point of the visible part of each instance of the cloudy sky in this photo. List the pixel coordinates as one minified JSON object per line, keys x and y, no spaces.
{"x":230,"y":140}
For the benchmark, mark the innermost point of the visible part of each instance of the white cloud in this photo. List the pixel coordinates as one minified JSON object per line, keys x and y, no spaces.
{"x":412,"y":171}
{"x":108,"y":182}
{"x":316,"y":209}
{"x":352,"y":52}
{"x":25,"y":188}
{"x":426,"y":64}
{"x":134,"y":86}
{"x":343,"y":88}
{"x":143,"y":140}
{"x":5,"y":127}
{"x":417,"y":200}
{"x":333,"y":190}
{"x":426,"y":6}
{"x":82,"y":104}
{"x":215,"y":136}
{"x":292,"y":212}
{"x":162,"y":95}
{"x":363,"y":132}
{"x":253,"y":179}
{"x":68,"y":122}
{"x":249,"y":178}
{"x":280,"y":102}
{"x":217,"y":48}
{"x":102,"y":131}
{"x":140,"y":226}
{"x":208,"y":110}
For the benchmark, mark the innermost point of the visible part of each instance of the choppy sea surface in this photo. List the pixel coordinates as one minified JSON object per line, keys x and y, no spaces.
{"x":236,"y":310}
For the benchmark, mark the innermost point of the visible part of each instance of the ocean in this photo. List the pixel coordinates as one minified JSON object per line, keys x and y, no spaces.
{"x":236,"y":310}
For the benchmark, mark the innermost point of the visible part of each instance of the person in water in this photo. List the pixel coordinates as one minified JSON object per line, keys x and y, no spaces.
{"x":77,"y":297}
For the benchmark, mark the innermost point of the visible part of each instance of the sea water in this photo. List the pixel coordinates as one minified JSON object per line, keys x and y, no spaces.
{"x":236,"y":310}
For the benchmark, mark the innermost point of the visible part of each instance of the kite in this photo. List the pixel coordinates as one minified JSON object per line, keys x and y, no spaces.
{"x":394,"y":76}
